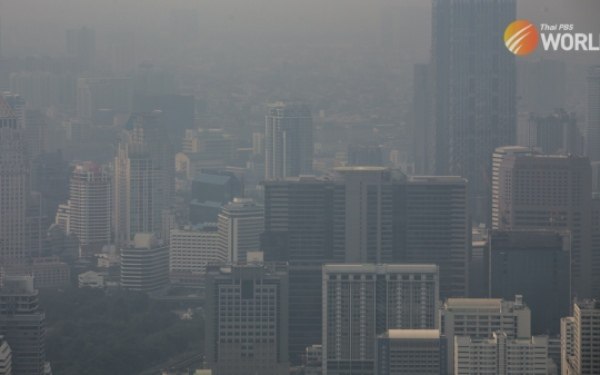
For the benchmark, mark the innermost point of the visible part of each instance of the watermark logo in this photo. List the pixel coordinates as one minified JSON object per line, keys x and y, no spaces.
{"x":521,"y":37}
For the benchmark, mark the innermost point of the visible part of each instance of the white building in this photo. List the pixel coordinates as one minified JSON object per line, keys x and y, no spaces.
{"x":240,"y":225}
{"x":581,"y":345}
{"x":479,"y":318}
{"x":500,"y":355}
{"x":361,"y":301}
{"x":192,"y":248}
{"x":144,"y":264}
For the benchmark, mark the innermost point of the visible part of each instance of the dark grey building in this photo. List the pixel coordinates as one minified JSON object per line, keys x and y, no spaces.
{"x":556,"y":133}
{"x":536,"y":265}
{"x":22,"y":323}
{"x":410,"y":352}
{"x":247,"y":319}
{"x":288,"y":140}
{"x":475,"y":91}
{"x":365,"y":155}
{"x":423,"y":131}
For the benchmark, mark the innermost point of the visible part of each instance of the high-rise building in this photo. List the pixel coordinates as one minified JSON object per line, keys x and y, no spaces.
{"x":593,"y":113}
{"x":479,"y":318}
{"x":501,"y":355}
{"x":423,"y":131}
{"x":474,"y":93}
{"x":567,"y":325}
{"x":95,"y":94}
{"x":536,"y":265}
{"x":5,"y":357}
{"x":240,"y":224}
{"x":90,"y":207}
{"x":288,"y":141}
{"x":437,"y":229}
{"x":380,"y":215}
{"x":533,"y":191}
{"x":14,"y":185}
{"x":411,"y":351}
{"x":144,"y":264}
{"x":246,"y":319}
{"x":362,"y":301}
{"x":143,"y":177}
{"x":22,"y":323}
{"x":556,"y":133}
{"x":191,"y":249}
{"x":580,"y":354}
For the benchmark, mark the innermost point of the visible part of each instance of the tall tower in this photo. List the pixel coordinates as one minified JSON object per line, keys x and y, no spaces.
{"x":90,"y":206}
{"x":22,"y":323}
{"x":475,"y":91}
{"x":14,"y":185}
{"x":144,"y":177}
{"x":240,"y":224}
{"x":288,"y":141}
{"x":593,"y":117}
{"x":535,"y":191}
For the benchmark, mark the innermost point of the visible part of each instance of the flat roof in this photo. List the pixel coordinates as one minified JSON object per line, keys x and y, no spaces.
{"x":413,"y":334}
{"x":484,"y":303}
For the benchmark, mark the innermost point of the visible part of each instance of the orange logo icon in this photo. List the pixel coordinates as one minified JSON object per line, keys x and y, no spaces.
{"x":521,"y":37}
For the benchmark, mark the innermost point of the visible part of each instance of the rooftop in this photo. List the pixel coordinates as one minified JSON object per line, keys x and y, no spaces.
{"x":413,"y":334}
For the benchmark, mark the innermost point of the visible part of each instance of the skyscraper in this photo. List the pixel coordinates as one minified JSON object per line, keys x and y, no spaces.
{"x":143,"y":177}
{"x":423,"y":127}
{"x":593,"y":113}
{"x":22,"y":323}
{"x":288,"y":140}
{"x":362,"y":301}
{"x":437,"y":229}
{"x":536,"y":265}
{"x":475,"y":91}
{"x":14,"y":185}
{"x":246,"y":319}
{"x":240,"y":224}
{"x":479,"y":318}
{"x":89,"y":207}
{"x":580,"y":353}
{"x":533,"y":191}
{"x":81,"y":46}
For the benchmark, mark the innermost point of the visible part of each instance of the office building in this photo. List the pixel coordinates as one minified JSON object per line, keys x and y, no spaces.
{"x":362,"y":301}
{"x":410,"y":352}
{"x":501,"y":355}
{"x":437,"y":229}
{"x":14,"y":184}
{"x":533,"y":191}
{"x":479,"y":318}
{"x":240,"y":225}
{"x":423,"y":131}
{"x":288,"y":140}
{"x":5,"y":357}
{"x":556,"y":133}
{"x":89,"y":208}
{"x":362,"y":215}
{"x":534,"y":264}
{"x":102,"y":93}
{"x":192,"y":248}
{"x":593,"y":113}
{"x":22,"y":323}
{"x":474,"y":93}
{"x":246,"y":316}
{"x":178,"y":110}
{"x":143,"y":178}
{"x":144,"y":264}
{"x":580,"y":346}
